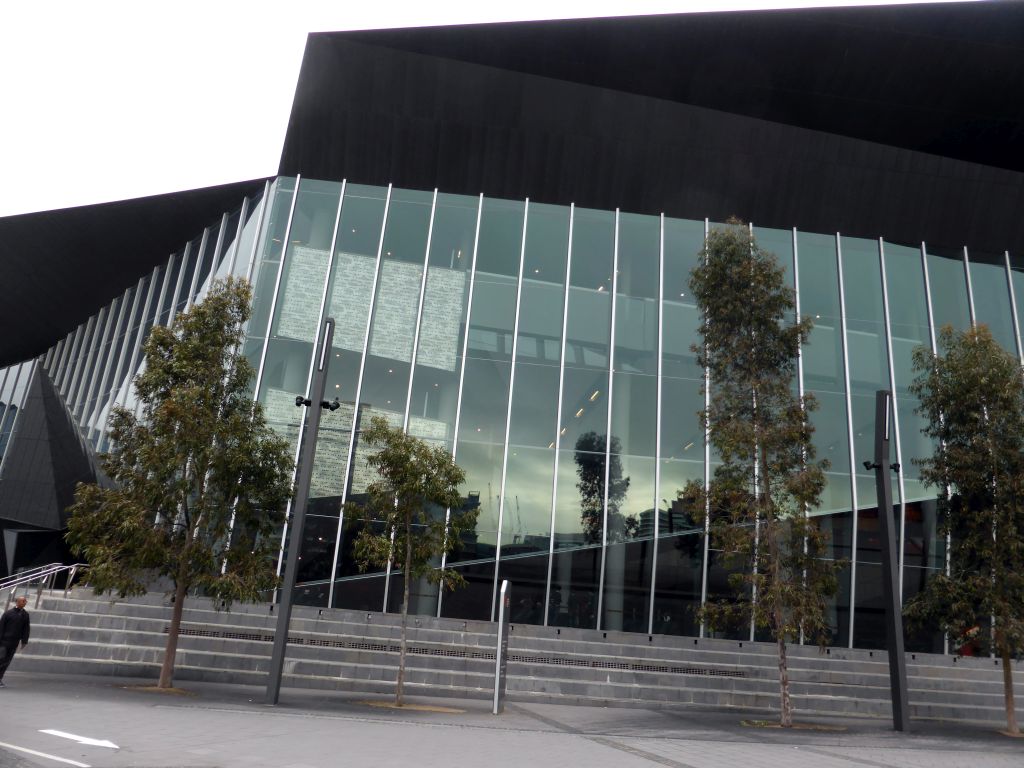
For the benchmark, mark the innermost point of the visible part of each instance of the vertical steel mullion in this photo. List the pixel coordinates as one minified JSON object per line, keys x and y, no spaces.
{"x":185,"y":256}
{"x":558,"y":417}
{"x":66,"y":358}
{"x":89,"y":374}
{"x":799,"y":366}
{"x":194,"y":287}
{"x":895,"y":413}
{"x":107,"y":384}
{"x":462,"y":371}
{"x":62,"y":360}
{"x":98,"y":370}
{"x":273,"y":306}
{"x":232,"y":255}
{"x":80,"y":363}
{"x":974,"y":324}
{"x":218,"y":256}
{"x":83,"y":372}
{"x":657,"y":426}
{"x":1013,"y":306}
{"x":928,"y":299}
{"x":849,"y":437}
{"x":22,"y":367}
{"x":266,"y":344}
{"x":350,"y":453}
{"x":50,"y":354}
{"x":324,"y":297}
{"x":72,"y":365}
{"x":141,"y":337}
{"x":53,"y":363}
{"x":970,"y":290}
{"x":707,"y":465}
{"x":122,"y":369}
{"x":757,"y":488}
{"x":608,"y":427}
{"x":419,"y":314}
{"x":4,"y":373}
{"x":164,"y":286}
{"x":508,"y":409}
{"x":70,"y":350}
{"x":935,"y":351}
{"x":259,"y":233}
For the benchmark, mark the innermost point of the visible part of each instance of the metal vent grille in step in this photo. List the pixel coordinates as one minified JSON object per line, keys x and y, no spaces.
{"x":422,"y":650}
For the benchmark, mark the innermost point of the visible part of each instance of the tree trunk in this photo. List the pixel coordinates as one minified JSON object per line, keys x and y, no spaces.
{"x":405,"y":614}
{"x":786,"y":713}
{"x":171,"y":649}
{"x":1011,"y":710}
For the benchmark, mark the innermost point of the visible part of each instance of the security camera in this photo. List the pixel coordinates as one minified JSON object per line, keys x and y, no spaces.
{"x":334,"y":405}
{"x":301,"y":401}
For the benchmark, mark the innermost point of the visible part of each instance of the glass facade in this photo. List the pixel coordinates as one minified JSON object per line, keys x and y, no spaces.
{"x":549,"y":348}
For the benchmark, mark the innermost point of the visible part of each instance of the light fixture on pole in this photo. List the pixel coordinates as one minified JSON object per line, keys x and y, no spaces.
{"x":307,"y":456}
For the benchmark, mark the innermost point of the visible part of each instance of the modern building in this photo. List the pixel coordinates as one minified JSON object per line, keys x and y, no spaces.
{"x":502,"y":220}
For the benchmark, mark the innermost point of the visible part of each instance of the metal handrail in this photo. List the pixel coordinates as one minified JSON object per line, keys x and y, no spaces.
{"x":44,"y":576}
{"x":20,"y":576}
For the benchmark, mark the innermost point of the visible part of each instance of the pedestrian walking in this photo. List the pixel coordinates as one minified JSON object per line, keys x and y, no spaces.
{"x":14,"y":628}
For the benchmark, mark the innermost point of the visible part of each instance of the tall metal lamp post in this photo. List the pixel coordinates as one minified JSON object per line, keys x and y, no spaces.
{"x":307,"y":456}
{"x":890,"y":562}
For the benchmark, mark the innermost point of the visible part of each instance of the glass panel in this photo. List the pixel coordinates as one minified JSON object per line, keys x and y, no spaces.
{"x":1017,"y":278}
{"x":948,"y":287}
{"x":823,"y":377}
{"x":677,"y":585}
{"x":265,"y":276}
{"x":869,"y":627}
{"x":294,"y":325}
{"x":579,"y":514}
{"x":228,"y":243}
{"x":209,"y":255}
{"x":992,"y":296}
{"x":908,"y":325}
{"x":867,"y":353}
{"x":485,"y":403}
{"x":189,"y":276}
{"x":526,"y":527}
{"x":349,"y":294}
{"x":823,"y":364}
{"x":243,"y":249}
{"x":168,"y":299}
{"x":435,"y":387}
{"x":924,"y":556}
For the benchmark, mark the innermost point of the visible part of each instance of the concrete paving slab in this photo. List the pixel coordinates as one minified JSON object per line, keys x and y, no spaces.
{"x":228,"y":726}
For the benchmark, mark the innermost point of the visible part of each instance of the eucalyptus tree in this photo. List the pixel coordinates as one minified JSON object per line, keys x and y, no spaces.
{"x":199,"y":481}
{"x":767,"y":480}
{"x":405,"y":512}
{"x":972,"y":395}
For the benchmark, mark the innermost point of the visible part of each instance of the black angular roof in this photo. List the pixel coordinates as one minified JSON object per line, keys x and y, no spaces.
{"x":902,"y":121}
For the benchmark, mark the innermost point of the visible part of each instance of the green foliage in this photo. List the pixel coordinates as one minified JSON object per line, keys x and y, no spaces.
{"x":416,"y":483}
{"x":768,"y":479}
{"x":759,"y":426}
{"x":972,"y":395}
{"x":199,"y":456}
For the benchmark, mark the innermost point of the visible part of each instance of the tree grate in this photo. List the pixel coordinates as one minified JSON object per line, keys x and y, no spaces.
{"x":423,"y":650}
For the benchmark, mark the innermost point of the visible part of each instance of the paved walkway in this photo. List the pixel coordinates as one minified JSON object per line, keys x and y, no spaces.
{"x":221,"y":726}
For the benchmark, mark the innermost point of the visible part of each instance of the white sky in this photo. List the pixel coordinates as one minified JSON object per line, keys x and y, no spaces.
{"x":105,"y":101}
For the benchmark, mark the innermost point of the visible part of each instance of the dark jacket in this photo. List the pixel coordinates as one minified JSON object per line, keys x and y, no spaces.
{"x":14,"y":626}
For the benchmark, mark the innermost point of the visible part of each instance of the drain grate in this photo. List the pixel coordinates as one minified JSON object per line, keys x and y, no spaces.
{"x":423,"y":650}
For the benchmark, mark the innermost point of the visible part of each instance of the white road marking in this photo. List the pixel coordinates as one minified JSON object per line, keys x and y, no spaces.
{"x":82,"y":739}
{"x":43,"y":754}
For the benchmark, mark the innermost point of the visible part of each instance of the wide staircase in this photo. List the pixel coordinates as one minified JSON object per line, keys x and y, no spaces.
{"x":81,"y":633}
